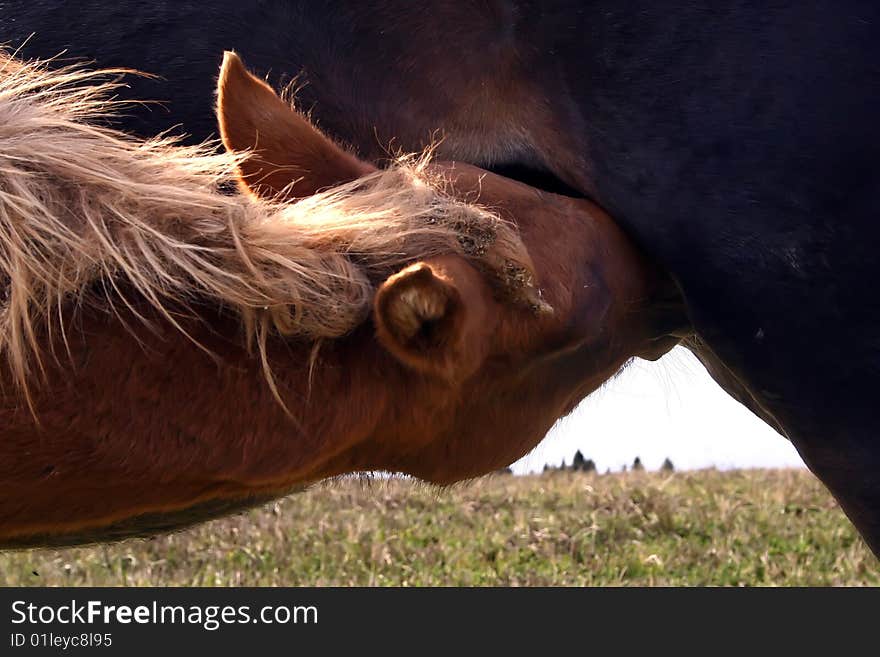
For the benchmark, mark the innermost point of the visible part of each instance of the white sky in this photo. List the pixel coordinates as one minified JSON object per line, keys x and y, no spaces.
{"x":667,"y":408}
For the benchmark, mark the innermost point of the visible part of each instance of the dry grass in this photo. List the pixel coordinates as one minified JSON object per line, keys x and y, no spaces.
{"x":770,"y":527}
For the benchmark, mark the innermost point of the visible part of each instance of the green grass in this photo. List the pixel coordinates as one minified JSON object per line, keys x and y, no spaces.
{"x":760,"y":527}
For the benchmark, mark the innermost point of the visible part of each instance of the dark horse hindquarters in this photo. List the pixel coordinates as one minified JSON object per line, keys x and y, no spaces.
{"x":737,"y":143}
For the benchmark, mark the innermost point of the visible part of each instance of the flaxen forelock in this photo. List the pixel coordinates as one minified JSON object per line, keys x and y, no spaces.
{"x":82,"y":204}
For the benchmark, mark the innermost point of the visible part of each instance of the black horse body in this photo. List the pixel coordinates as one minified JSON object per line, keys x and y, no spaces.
{"x":737,"y":141}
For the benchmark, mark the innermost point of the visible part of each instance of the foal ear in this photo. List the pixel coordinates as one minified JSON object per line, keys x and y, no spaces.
{"x":436,"y":317}
{"x":290,"y":157}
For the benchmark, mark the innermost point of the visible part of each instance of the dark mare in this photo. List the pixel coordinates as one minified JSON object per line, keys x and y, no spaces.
{"x":737,"y":142}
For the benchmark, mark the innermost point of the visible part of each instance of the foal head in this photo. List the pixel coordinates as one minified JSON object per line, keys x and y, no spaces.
{"x":478,"y":376}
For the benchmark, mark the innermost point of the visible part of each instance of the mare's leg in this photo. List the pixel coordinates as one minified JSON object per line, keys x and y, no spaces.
{"x":850,"y":468}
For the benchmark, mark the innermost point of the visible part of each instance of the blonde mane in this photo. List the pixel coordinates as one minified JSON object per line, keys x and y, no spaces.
{"x":89,"y":214}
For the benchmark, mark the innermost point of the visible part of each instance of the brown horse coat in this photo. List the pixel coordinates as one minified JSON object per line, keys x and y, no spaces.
{"x":152,"y":411}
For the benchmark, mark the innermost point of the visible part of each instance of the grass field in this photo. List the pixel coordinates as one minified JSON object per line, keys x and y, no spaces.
{"x":759,"y":527}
